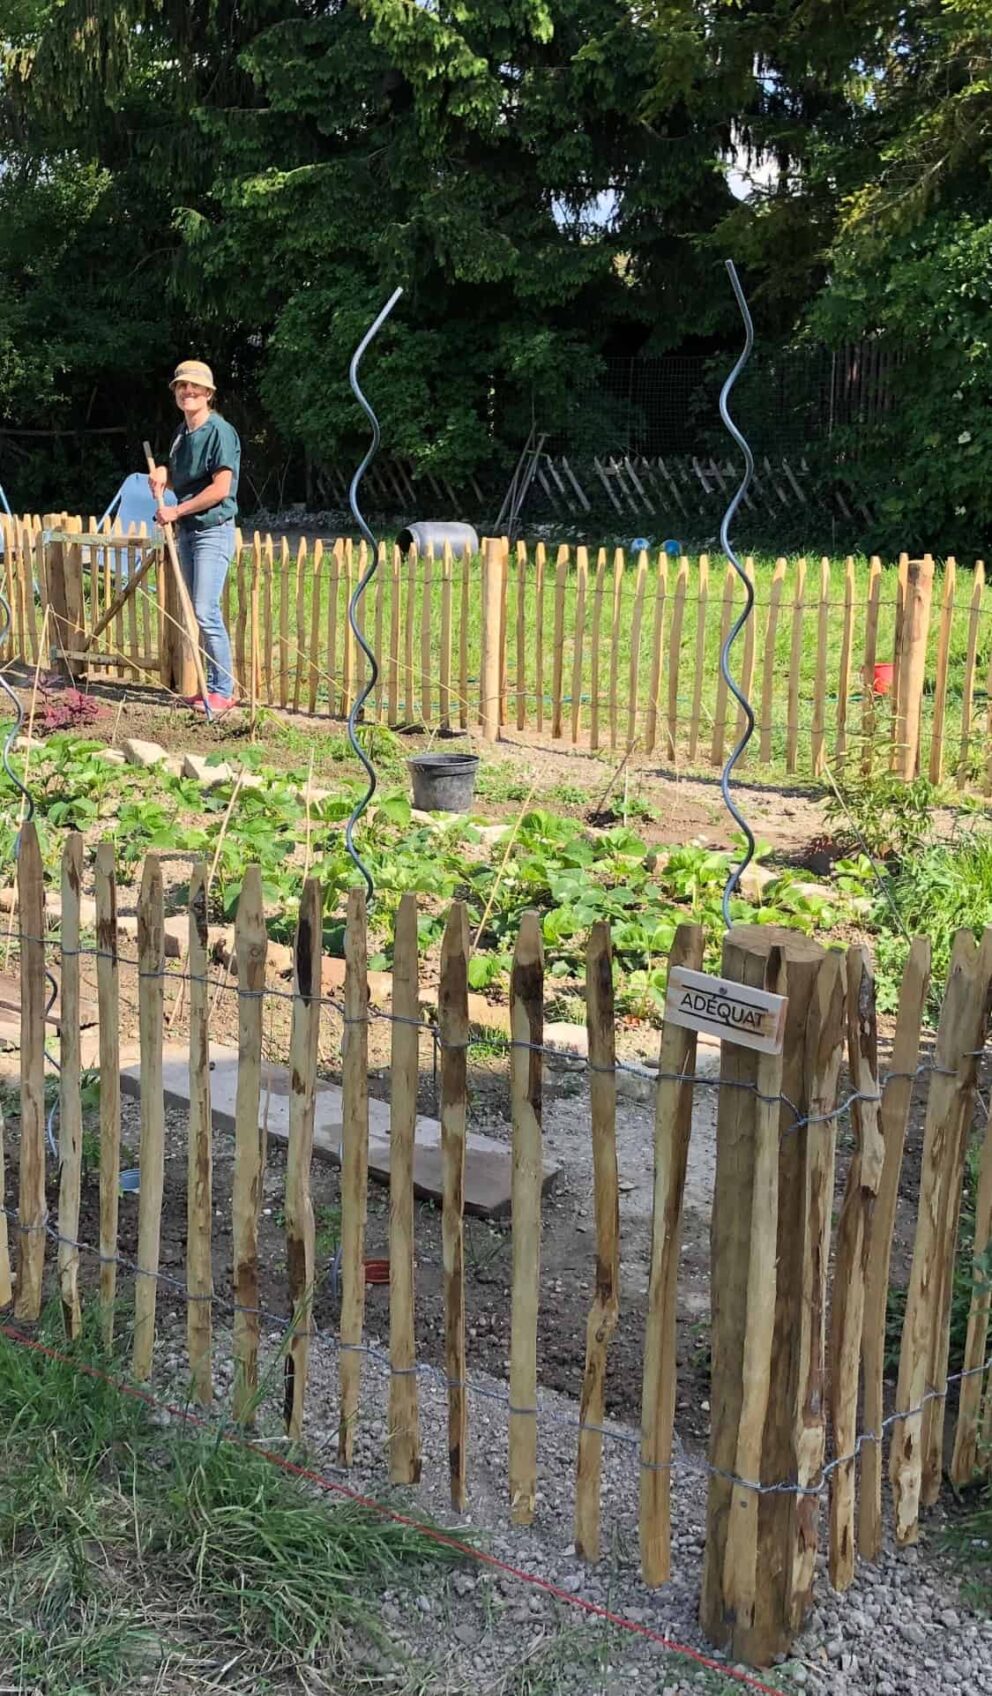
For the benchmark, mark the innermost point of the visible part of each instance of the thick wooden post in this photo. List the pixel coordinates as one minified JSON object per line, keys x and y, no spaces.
{"x":766,"y":1629}
{"x":911,"y":665}
{"x":453,"y":1027}
{"x":492,"y":591}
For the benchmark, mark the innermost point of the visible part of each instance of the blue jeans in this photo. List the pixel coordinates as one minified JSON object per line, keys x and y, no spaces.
{"x":205,"y":556}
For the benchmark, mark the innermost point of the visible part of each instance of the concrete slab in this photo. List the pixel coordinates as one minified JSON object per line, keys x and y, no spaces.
{"x":488,"y":1163}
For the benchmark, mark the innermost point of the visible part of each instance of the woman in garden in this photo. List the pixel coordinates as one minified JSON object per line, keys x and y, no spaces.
{"x":204,"y":462}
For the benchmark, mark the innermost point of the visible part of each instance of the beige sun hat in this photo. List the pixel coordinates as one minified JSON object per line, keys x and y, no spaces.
{"x":194,"y":371}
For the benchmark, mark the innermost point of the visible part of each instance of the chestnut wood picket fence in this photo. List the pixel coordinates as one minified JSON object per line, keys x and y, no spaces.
{"x":888,"y":666}
{"x":799,"y":1314}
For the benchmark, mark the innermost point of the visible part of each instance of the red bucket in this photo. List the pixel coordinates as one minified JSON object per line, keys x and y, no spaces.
{"x":884,"y":679}
{"x":377,"y":1271}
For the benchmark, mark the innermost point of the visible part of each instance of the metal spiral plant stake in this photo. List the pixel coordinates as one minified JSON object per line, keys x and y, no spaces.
{"x":733,"y":881}
{"x":359,"y":591}
{"x":28,"y":798}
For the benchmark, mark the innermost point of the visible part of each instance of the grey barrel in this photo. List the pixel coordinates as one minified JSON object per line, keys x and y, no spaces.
{"x":435,"y":535}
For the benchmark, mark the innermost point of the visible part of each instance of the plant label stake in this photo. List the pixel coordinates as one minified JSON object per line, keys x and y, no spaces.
{"x":752,"y":1018}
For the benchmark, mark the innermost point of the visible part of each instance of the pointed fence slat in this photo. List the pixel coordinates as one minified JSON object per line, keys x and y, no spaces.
{"x":936,"y":769}
{"x":70,"y":1077}
{"x":894,"y":1115}
{"x":303,"y":1041}
{"x":952,"y":1082}
{"x":558,"y":656}
{"x":719,"y":737}
{"x":316,"y":589}
{"x":453,"y":1030}
{"x":595,"y":681}
{"x":702,"y":608}
{"x":527,"y":1032}
{"x":410,"y":617}
{"x":463,"y":633}
{"x":635,"y":648}
{"x":444,"y":711}
{"x":605,"y":1310}
{"x":354,"y":1165}
{"x":817,"y":736}
{"x":521,"y":651}
{"x":673,"y":1122}
{"x":969,"y":1456}
{"x":581,"y":579}
{"x":151,"y":1159}
{"x":250,"y":944}
{"x":404,"y":1422}
{"x":657,"y":655}
{"x":747,"y":660}
{"x":844,"y":675}
{"x":199,"y":1169}
{"x":968,"y":684}
{"x":795,"y":667}
{"x":675,"y":656}
{"x":851,"y":1265}
{"x":869,"y":714}
{"x":105,"y":891}
{"x":540,"y":564}
{"x":426,"y":639}
{"x":951,"y":1192}
{"x":618,"y":571}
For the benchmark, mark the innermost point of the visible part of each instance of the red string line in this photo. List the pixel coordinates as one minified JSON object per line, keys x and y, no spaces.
{"x":433,"y":1533}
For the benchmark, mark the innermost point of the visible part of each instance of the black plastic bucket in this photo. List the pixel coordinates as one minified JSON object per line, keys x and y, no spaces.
{"x":443,"y":783}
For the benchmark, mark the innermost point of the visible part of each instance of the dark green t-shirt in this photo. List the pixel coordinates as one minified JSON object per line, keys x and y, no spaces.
{"x":194,"y":457}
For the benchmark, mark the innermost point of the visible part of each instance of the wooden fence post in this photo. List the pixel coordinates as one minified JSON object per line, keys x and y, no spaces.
{"x":605,"y":1310}
{"x":404,"y":1423}
{"x":740,"y":1562}
{"x":151,"y":1158}
{"x":251,"y":943}
{"x":527,"y":1028}
{"x":354,"y":1164}
{"x":31,"y":1196}
{"x":770,"y":1628}
{"x":489,"y":671}
{"x":672,"y":1126}
{"x":558,"y":654}
{"x":453,"y":1028}
{"x":951,"y":1093}
{"x":199,"y":1149}
{"x":70,"y":1107}
{"x":911,"y":665}
{"x":825,"y":1033}
{"x":304,"y":1037}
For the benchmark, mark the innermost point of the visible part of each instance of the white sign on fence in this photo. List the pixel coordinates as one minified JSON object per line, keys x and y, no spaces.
{"x":750,"y":1017}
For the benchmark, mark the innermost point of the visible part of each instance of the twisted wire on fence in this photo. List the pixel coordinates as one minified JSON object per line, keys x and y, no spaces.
{"x":697,"y":1466}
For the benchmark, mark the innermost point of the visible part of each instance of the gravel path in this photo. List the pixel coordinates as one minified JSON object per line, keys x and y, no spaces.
{"x":903,"y":1628}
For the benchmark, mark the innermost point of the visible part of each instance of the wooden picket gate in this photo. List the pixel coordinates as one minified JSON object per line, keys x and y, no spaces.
{"x":600,"y":653}
{"x":790,"y":1346}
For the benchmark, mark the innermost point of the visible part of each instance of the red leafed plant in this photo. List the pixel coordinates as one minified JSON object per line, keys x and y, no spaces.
{"x":67,"y":711}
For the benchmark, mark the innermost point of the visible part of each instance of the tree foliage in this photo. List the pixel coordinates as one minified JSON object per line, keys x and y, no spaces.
{"x":547,"y":179}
